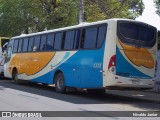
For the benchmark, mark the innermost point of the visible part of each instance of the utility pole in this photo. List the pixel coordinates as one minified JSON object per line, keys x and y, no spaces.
{"x":81,"y":11}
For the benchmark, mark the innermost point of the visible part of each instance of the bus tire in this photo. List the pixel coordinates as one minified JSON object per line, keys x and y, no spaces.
{"x":15,"y":76}
{"x":60,"y":83}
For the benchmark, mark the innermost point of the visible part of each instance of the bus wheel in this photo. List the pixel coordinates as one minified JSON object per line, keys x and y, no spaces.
{"x":60,"y":83}
{"x":15,"y":76}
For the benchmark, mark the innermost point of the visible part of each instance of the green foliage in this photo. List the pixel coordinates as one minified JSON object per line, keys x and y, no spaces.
{"x":157,"y":3}
{"x":27,"y":16}
{"x":105,"y":9}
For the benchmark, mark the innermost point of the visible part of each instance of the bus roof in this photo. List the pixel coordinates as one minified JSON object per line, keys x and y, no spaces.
{"x":85,"y":24}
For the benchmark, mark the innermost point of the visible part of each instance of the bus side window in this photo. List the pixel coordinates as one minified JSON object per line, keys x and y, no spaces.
{"x":15,"y":47}
{"x":63,"y":40}
{"x":50,"y":42}
{"x":90,"y":38}
{"x":83,"y":38}
{"x":58,"y":41}
{"x":43,"y":43}
{"x":25,"y":45}
{"x":77,"y":39}
{"x":69,"y":40}
{"x":30,"y":46}
{"x":101,"y":36}
{"x":20,"y":45}
{"x":36,"y":43}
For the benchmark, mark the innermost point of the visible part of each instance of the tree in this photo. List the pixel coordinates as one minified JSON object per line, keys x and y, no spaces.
{"x":27,"y":16}
{"x":105,"y":9}
{"x":157,"y":3}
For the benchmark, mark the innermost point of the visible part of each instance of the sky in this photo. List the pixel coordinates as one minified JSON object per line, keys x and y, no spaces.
{"x":149,"y":15}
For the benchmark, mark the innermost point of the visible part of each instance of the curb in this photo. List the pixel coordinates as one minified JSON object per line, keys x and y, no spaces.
{"x":135,"y":98}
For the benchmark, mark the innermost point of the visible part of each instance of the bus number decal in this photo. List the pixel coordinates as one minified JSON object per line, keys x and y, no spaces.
{"x":97,"y":65}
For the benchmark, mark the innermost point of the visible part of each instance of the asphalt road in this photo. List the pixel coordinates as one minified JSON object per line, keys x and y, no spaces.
{"x":34,"y":97}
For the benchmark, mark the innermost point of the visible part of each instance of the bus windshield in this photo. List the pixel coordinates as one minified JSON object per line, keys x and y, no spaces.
{"x":138,"y":34}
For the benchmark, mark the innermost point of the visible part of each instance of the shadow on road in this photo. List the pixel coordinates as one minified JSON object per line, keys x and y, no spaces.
{"x":76,"y":97}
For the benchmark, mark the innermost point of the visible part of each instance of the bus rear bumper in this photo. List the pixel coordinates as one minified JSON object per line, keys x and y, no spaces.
{"x":127,"y":82}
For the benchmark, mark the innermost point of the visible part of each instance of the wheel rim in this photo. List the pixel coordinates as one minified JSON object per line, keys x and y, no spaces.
{"x":60,"y":83}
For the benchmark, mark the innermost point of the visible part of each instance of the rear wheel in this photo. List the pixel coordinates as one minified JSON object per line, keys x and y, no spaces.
{"x":15,"y":76}
{"x":60,"y":83}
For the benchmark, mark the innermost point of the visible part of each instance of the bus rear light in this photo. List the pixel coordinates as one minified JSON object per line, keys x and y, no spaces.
{"x":112,"y":62}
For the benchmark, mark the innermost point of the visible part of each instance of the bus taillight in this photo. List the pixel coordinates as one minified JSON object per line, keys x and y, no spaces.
{"x":112,"y":64}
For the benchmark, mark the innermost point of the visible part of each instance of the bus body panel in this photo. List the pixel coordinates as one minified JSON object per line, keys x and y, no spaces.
{"x":135,"y":65}
{"x":82,"y":72}
{"x":110,"y":50}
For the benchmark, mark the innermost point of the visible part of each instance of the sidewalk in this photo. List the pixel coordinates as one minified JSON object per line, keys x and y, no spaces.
{"x":148,"y":96}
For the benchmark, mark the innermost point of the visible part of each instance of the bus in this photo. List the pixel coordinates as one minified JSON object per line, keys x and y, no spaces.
{"x":3,"y":46}
{"x":109,"y":54}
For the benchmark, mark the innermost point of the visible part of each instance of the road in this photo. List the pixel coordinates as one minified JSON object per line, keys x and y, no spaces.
{"x":33,"y":97}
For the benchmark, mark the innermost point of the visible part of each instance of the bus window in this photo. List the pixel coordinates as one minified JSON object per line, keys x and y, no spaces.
{"x":11,"y":42}
{"x":50,"y":42}
{"x":137,"y":34}
{"x":43,"y":43}
{"x":58,"y":41}
{"x":90,"y":38}
{"x":82,"y":38}
{"x":36,"y":43}
{"x":20,"y":45}
{"x":77,"y":38}
{"x":30,"y":46}
{"x":101,"y":35}
{"x":15,"y":48}
{"x":25,"y":45}
{"x":69,"y":40}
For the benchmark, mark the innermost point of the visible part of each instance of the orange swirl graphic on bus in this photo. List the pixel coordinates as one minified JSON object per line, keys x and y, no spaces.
{"x":30,"y":63}
{"x":138,"y":56}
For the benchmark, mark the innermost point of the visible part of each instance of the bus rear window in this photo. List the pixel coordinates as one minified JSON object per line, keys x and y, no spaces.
{"x":138,"y":34}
